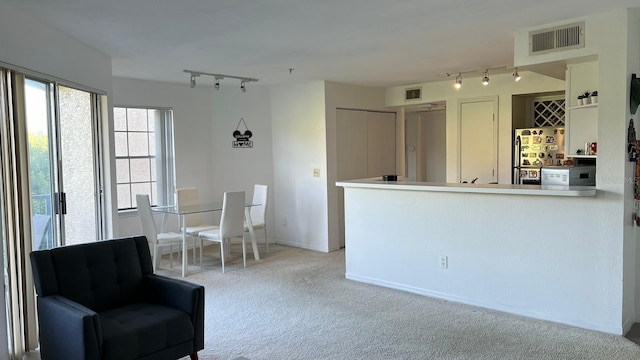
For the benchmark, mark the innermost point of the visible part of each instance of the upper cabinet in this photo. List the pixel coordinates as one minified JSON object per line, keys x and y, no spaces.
{"x":581,"y":123}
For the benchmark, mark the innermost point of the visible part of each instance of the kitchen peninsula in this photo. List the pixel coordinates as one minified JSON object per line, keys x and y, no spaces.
{"x":522,"y":249}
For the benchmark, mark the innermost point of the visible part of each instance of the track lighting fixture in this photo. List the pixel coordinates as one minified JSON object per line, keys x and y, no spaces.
{"x":485,"y":78}
{"x":516,"y":76}
{"x":458,"y":83}
{"x":483,"y":72}
{"x":218,"y":77}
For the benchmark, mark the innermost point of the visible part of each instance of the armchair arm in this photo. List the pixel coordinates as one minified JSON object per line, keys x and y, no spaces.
{"x":68,"y":330}
{"x":182,"y":295}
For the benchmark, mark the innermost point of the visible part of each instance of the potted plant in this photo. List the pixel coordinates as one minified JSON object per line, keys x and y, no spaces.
{"x":594,"y":97}
{"x":583,"y":99}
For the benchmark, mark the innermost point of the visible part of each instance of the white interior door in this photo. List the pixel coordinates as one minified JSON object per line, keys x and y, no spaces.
{"x":478,"y":141}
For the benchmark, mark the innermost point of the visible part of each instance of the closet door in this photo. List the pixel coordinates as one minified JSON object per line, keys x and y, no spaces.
{"x":352,"y":144}
{"x":381,"y":144}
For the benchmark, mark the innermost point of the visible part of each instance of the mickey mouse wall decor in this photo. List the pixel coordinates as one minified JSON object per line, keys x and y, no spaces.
{"x":242,"y":138}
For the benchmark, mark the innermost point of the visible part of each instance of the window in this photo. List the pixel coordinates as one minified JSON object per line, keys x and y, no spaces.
{"x":144,"y":155}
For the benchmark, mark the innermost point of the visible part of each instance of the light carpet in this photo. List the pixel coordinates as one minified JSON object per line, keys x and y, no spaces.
{"x":296,"y":304}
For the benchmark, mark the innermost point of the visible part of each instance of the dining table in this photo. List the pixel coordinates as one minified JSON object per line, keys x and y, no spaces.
{"x":183,"y":211}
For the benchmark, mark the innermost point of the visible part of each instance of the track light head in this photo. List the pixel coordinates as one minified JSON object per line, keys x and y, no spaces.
{"x":485,"y":78}
{"x":243,"y":87}
{"x":516,"y":76}
{"x":193,"y":81}
{"x":216,"y":84}
{"x":458,"y":83}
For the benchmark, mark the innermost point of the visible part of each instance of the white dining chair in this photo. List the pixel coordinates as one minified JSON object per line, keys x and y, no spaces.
{"x":231,"y":225}
{"x":259,"y":212}
{"x":156,"y":240}
{"x":194,"y":222}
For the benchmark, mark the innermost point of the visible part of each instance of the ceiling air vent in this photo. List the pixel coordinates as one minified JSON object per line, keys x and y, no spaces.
{"x":559,"y":38}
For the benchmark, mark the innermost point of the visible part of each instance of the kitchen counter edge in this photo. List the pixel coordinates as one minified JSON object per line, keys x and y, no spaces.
{"x":505,"y":189}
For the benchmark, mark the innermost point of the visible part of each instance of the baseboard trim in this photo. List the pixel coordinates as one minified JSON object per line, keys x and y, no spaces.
{"x":492,"y":306}
{"x":627,"y":325}
{"x":302,"y":246}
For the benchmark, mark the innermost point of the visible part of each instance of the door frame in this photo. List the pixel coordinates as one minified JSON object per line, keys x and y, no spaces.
{"x":496,"y":122}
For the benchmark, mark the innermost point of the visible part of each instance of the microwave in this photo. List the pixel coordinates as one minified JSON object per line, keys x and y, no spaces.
{"x":569,"y":175}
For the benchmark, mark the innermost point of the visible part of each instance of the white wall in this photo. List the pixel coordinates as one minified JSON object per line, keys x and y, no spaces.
{"x":613,"y":168}
{"x":632,"y":235}
{"x":242,"y":168}
{"x":299,"y":146}
{"x":30,"y":44}
{"x":502,"y":86}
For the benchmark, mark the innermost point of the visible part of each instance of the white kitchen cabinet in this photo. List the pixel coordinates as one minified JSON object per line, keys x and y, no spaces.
{"x":581,"y":121}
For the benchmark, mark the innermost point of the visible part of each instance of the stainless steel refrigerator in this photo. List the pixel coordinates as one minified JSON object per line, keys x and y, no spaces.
{"x":535,"y":148}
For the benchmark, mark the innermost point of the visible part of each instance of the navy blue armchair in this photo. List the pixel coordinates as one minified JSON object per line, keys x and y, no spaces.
{"x":102,"y":301}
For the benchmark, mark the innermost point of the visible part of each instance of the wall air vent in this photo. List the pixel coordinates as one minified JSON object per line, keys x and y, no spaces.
{"x":559,"y":38}
{"x":413,"y":94}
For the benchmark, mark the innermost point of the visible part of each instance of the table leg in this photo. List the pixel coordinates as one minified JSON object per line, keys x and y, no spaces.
{"x":183,"y":224}
{"x":254,"y":244}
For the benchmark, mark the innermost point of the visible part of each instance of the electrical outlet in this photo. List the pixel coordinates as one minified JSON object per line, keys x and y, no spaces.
{"x":316,"y":172}
{"x":443,"y":261}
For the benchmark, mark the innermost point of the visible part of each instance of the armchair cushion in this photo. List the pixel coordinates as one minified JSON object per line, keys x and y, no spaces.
{"x":137,"y":330}
{"x":102,"y":301}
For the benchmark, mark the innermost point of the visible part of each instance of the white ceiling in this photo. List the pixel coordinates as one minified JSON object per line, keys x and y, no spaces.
{"x":361,"y":42}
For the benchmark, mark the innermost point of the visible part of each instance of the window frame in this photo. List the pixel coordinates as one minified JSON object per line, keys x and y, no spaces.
{"x":164,"y":156}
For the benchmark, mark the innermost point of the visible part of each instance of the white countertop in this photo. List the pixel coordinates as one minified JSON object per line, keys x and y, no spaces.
{"x":539,"y":190}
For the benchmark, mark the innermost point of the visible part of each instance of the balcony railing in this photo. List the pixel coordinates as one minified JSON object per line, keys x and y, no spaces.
{"x":42,"y":217}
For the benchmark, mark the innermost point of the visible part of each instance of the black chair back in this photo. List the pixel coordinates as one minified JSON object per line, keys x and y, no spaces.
{"x":100,"y":276}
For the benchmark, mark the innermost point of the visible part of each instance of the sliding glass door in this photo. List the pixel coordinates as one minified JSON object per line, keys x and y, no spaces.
{"x":76,"y":166}
{"x":61,"y":130}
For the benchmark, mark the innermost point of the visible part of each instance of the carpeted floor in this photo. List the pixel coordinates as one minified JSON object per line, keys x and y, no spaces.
{"x":296,"y":304}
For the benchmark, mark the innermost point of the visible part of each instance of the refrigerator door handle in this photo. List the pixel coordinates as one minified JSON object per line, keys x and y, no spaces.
{"x":516,"y":153}
{"x":516,"y":160}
